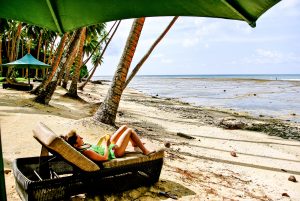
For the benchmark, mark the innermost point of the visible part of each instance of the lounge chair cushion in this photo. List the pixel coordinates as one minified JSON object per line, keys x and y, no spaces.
{"x":133,"y":157}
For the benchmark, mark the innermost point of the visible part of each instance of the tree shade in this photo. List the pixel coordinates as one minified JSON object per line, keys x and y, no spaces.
{"x":67,"y":15}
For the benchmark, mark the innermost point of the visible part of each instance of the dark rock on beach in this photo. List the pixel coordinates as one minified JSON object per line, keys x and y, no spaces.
{"x":232,"y":123}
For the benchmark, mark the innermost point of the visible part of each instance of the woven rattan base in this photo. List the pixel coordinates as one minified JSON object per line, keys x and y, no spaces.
{"x":63,"y":181}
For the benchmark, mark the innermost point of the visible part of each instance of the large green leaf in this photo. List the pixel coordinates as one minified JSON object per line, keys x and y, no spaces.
{"x":66,"y":15}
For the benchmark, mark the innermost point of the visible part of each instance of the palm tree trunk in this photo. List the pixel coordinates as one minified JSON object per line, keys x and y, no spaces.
{"x":67,"y":75}
{"x":56,"y":62}
{"x":14,"y":42}
{"x":45,"y":50}
{"x":108,"y":110}
{"x":95,"y":67}
{"x":51,"y":51}
{"x":85,"y":62}
{"x":78,"y":61}
{"x":45,"y":82}
{"x":72,"y":50}
{"x":145,"y":57}
{"x":46,"y":95}
{"x":0,"y":48}
{"x":1,"y":68}
{"x":38,"y":52}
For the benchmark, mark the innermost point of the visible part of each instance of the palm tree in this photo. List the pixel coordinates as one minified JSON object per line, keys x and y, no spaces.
{"x":108,"y":110}
{"x":3,"y":27}
{"x":46,"y":95}
{"x":145,"y":57}
{"x":78,"y":61}
{"x":39,"y":49}
{"x":92,"y":34}
{"x":46,"y":81}
{"x":97,"y":58}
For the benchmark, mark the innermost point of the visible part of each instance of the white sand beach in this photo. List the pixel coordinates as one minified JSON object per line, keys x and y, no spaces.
{"x":202,"y":168}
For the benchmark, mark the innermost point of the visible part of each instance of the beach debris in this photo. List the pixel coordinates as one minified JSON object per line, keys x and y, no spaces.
{"x":285,"y":194}
{"x":7,"y":171}
{"x":173,"y":156}
{"x":167,"y":144}
{"x":233,"y":153}
{"x":224,"y":90}
{"x":293,"y":114}
{"x":97,"y":82}
{"x":120,"y":113}
{"x":254,"y":94}
{"x":283,"y":170}
{"x":232,"y":123}
{"x":168,"y":195}
{"x":185,"y":136}
{"x":292,"y":178}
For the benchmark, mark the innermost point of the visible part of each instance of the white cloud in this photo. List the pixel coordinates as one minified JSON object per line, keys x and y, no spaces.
{"x":190,"y":42}
{"x":167,"y":61}
{"x":263,"y":56}
{"x":157,"y":56}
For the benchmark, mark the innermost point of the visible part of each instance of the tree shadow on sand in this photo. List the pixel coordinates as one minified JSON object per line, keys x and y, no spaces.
{"x":164,"y":189}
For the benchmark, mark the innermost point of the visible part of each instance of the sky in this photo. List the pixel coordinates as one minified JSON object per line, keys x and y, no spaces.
{"x":197,"y":45}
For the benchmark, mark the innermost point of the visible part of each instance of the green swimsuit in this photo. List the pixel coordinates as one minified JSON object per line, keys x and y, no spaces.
{"x":99,"y":149}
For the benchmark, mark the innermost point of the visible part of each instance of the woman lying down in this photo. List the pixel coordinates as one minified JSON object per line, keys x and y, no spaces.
{"x":111,"y":147}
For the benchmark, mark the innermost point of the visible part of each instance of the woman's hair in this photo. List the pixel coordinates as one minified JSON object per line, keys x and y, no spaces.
{"x":71,"y":137}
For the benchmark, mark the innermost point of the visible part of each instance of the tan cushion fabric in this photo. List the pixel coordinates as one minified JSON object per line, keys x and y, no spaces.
{"x":133,"y":158}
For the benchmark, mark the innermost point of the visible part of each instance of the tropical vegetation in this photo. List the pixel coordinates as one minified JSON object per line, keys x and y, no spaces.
{"x":66,"y":56}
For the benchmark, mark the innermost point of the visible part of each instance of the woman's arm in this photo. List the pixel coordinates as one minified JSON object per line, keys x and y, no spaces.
{"x":95,"y":156}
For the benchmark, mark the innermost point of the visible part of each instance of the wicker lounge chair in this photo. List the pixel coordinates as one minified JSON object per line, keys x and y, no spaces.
{"x":17,"y":85}
{"x":67,"y":172}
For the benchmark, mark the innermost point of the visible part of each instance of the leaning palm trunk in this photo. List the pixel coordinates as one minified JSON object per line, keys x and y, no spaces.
{"x":47,"y":94}
{"x":78,"y":61}
{"x":1,"y":69}
{"x":67,"y":76}
{"x":145,"y":57}
{"x":70,"y":56}
{"x":38,"y":52}
{"x":43,"y":85}
{"x":99,"y":43}
{"x":100,"y":57}
{"x":51,"y":50}
{"x":45,"y":53}
{"x":12,"y":49}
{"x":108,"y":109}
{"x":12,"y":52}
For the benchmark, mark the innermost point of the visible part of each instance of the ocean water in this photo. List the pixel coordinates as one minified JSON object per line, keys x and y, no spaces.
{"x":276,"y":96}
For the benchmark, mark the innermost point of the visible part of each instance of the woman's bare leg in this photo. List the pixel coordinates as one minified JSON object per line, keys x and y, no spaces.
{"x":114,"y":138}
{"x":124,"y":139}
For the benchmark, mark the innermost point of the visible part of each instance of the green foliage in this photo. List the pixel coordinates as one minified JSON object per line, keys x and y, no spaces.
{"x":83,"y":72}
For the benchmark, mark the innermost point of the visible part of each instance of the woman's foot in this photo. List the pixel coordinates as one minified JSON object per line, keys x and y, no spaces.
{"x":148,"y":152}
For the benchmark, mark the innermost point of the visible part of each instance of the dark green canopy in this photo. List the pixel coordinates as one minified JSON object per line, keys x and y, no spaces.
{"x":66,"y":15}
{"x":28,"y":61}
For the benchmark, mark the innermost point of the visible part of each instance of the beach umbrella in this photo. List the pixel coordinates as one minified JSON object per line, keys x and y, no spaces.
{"x":29,"y":62}
{"x":67,"y":15}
